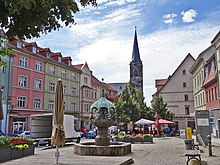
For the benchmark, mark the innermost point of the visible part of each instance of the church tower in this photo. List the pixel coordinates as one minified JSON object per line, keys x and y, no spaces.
{"x":136,"y":67}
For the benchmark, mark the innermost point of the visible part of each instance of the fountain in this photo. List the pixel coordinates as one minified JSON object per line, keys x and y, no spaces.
{"x":103,"y":115}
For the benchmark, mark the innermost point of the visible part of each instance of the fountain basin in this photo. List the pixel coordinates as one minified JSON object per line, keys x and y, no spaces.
{"x":114,"y":149}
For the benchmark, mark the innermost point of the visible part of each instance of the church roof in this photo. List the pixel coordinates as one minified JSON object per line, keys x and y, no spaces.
{"x":135,"y":54}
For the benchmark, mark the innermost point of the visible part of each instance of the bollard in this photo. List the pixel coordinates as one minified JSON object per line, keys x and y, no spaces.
{"x":209,"y":140}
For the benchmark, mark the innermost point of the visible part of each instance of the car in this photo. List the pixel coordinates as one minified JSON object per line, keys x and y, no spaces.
{"x":26,"y":134}
{"x":91,"y":134}
{"x":1,"y":133}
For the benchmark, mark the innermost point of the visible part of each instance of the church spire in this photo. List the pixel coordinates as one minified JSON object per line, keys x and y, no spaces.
{"x":136,"y":67}
{"x":135,"y":54}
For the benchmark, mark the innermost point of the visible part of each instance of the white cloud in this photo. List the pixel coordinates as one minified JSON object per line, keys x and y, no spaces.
{"x":161,"y":53}
{"x":189,"y":15}
{"x":120,"y":2}
{"x":168,"y":18}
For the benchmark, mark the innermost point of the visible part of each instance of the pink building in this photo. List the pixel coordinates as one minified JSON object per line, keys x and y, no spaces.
{"x":211,"y":85}
{"x":27,"y":85}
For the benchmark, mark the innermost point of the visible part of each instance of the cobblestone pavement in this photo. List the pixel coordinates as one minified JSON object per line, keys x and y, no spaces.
{"x":164,"y":151}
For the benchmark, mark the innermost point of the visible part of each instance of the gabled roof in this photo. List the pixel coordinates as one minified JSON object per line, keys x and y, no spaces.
{"x":96,"y":81}
{"x":160,"y":82}
{"x":78,"y":66}
{"x":217,"y":36}
{"x":188,"y":55}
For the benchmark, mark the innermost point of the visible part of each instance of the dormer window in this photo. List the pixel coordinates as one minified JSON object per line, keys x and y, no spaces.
{"x":34,"y":49}
{"x":19,"y":44}
{"x":69,"y":62}
{"x":48,"y":55}
{"x":59,"y":59}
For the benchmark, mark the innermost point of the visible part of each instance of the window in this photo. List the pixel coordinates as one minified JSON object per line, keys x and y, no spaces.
{"x":48,"y":55}
{"x":3,"y":69}
{"x":37,"y":84}
{"x":69,"y":62}
{"x":52,"y":70}
{"x":22,"y":81}
{"x":19,"y":44}
{"x":21,"y":101}
{"x":34,"y":49}
{"x":85,"y":80}
{"x":38,"y":66}
{"x":59,"y":59}
{"x":216,"y":97}
{"x":184,"y":71}
{"x":87,"y":92}
{"x":186,"y":110}
{"x":206,"y":71}
{"x":50,"y":104}
{"x":184,"y":85}
{"x":73,"y":91}
{"x":212,"y":94}
{"x":63,"y":73}
{"x":213,"y":65}
{"x":86,"y":107}
{"x":186,"y":97}
{"x":23,"y":61}
{"x":64,"y":105}
{"x":73,"y":106}
{"x":74,"y":76}
{"x":51,"y":87}
{"x":37,"y":103}
{"x":64,"y":89}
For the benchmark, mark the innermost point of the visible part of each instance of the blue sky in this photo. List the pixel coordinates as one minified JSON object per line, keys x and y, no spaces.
{"x":167,"y":31}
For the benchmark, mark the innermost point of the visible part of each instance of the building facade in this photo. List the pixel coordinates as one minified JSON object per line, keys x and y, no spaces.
{"x":5,"y":84}
{"x":27,"y":85}
{"x":177,"y":93}
{"x":198,"y":76}
{"x":216,"y":114}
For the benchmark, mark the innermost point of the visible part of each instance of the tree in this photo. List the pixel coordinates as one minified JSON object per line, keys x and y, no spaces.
{"x":31,"y":18}
{"x":130,"y":104}
{"x":159,"y":106}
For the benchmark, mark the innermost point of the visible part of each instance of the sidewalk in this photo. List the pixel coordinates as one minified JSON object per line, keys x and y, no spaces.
{"x":164,"y":151}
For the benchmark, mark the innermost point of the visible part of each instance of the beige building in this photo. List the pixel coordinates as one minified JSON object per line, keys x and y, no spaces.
{"x":91,"y":90}
{"x":177,"y":93}
{"x":58,"y":67}
{"x":87,"y":95}
{"x":198,"y":75}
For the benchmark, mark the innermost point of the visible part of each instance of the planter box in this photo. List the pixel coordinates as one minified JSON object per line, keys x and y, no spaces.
{"x":136,"y":140}
{"x":5,"y":154}
{"x":29,"y":151}
{"x":13,"y":153}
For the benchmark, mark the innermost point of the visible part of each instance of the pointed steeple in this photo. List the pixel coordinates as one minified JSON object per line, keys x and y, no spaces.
{"x":135,"y":54}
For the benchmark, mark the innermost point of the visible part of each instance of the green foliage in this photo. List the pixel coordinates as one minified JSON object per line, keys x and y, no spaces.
{"x":31,"y":18}
{"x":159,"y":106}
{"x":130,"y":104}
{"x":4,"y":51}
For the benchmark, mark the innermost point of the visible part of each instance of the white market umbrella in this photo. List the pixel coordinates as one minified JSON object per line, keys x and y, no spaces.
{"x":144,"y":122}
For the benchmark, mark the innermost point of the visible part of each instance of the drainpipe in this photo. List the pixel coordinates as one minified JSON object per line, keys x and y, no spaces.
{"x":7,"y":96}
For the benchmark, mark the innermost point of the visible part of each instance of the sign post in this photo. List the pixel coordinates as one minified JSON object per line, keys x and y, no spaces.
{"x":203,"y":124}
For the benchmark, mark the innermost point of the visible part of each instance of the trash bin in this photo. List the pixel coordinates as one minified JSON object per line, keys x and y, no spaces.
{"x":188,"y":133}
{"x":189,"y":144}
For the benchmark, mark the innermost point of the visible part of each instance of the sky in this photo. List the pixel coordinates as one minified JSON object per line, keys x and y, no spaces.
{"x":167,"y":31}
